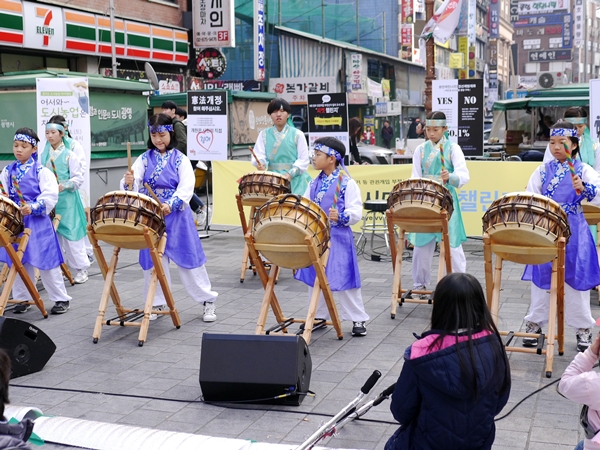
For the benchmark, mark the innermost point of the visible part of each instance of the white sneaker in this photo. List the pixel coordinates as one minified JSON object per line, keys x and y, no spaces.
{"x":209,"y":312}
{"x":200,"y":217}
{"x":81,"y":276}
{"x":210,"y":212}
{"x":157,"y":308}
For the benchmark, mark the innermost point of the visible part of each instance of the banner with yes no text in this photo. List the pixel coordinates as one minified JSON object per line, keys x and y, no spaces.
{"x":70,"y":98}
{"x":207,"y":125}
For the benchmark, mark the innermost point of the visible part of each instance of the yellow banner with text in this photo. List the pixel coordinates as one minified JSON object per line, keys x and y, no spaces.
{"x":489,"y":181}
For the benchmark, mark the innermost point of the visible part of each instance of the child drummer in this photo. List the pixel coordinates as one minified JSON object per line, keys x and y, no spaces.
{"x":554,"y":180}
{"x":339,"y":196}
{"x":34,"y":188}
{"x":169,"y":173}
{"x":443,"y":161}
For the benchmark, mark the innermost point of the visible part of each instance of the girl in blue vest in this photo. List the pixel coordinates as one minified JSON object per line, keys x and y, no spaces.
{"x":427,"y":163}
{"x":282,"y":148}
{"x":34,"y":188}
{"x":342,"y":265}
{"x":68,"y":169}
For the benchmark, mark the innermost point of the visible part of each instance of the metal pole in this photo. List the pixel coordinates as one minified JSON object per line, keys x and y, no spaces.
{"x":384,"y":35}
{"x":357,"y":27}
{"x":585,"y":42}
{"x":112,"y":39}
{"x":323,"y":18}
{"x":429,"y":60}
{"x":279,"y":11}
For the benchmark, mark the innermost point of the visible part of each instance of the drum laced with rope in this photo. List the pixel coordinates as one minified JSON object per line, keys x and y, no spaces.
{"x":292,"y":232}
{"x":133,"y":221}
{"x":527,"y":228}
{"x":255,"y":189}
{"x":417,"y":205}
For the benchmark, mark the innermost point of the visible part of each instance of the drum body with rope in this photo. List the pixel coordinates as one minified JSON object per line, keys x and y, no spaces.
{"x":120,"y":218}
{"x":256,"y":188}
{"x":11,"y":219}
{"x":287,"y":220}
{"x":527,"y":220}
{"x":420,"y":198}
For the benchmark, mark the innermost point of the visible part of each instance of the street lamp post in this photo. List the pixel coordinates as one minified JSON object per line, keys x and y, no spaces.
{"x":429,"y":59}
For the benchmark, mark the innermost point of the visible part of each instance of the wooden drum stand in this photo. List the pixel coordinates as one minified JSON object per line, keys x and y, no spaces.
{"x":127,"y":317}
{"x":17,"y":267}
{"x":407,"y":221}
{"x":270,"y":299}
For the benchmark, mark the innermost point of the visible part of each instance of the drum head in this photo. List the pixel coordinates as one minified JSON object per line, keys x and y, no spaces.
{"x":283,"y":233}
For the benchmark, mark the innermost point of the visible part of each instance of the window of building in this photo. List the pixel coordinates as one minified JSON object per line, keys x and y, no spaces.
{"x":555,"y":42}
{"x":531,"y":67}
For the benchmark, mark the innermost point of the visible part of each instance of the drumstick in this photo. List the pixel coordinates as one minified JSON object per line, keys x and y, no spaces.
{"x":2,"y":191}
{"x":147,"y":186}
{"x":571,"y":166}
{"x":18,"y":189}
{"x":338,"y":188}
{"x":254,"y":155}
{"x":129,"y":161}
{"x":54,"y":169}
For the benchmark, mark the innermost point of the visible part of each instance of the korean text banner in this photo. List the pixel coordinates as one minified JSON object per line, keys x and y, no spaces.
{"x":70,"y":98}
{"x":489,"y":181}
{"x":214,"y":23}
{"x":207,"y":125}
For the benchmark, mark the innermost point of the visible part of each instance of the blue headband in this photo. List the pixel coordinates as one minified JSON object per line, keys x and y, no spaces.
{"x":436,"y":122}
{"x":564,"y":132}
{"x":331,"y":152}
{"x":576,"y":120}
{"x":160,"y":128}
{"x":26,"y":138}
{"x":55,"y":126}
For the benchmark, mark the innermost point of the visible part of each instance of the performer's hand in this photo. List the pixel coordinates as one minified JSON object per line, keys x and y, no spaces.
{"x":445,"y":175}
{"x":61,"y":187}
{"x":577,"y":183}
{"x":166,"y":209}
{"x":333,"y":214}
{"x":129,"y":178}
{"x":260,"y":166}
{"x":26,"y":209}
{"x":595,"y":347}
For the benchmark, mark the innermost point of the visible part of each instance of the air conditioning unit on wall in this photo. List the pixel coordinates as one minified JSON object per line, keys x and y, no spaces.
{"x":546,"y":80}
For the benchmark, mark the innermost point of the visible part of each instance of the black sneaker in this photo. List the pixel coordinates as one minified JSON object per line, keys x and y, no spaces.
{"x":60,"y":308}
{"x":21,"y":308}
{"x":533,"y":328}
{"x":584,"y":339}
{"x":359,"y":329}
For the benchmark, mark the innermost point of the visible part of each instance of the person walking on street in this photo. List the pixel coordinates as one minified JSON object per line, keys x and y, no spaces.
{"x":387,"y":134}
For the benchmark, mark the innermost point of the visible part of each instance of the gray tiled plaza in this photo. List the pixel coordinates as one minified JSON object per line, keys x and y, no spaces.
{"x":167,"y":366}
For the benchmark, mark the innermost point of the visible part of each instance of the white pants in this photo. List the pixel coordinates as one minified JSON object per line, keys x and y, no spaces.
{"x":75,"y":254}
{"x":89,"y":250}
{"x":195,"y":281}
{"x":350,"y":302}
{"x":577,"y":307}
{"x":423,"y":259}
{"x":51,"y":279}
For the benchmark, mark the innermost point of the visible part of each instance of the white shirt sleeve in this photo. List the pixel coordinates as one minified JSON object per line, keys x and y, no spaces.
{"x":547,"y":155}
{"x":302,"y":162}
{"x":77,"y":148}
{"x":75,"y":170}
{"x":597,"y":153}
{"x":139,"y":169}
{"x":4,"y":179}
{"x":259,"y":149}
{"x":417,"y":172}
{"x":590,"y":176}
{"x":353,"y":205}
{"x":460,"y":166}
{"x":535,"y":181}
{"x":187,"y":181}
{"x":48,"y":188}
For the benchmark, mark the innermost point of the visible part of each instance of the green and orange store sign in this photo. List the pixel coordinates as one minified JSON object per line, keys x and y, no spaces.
{"x":46,"y":27}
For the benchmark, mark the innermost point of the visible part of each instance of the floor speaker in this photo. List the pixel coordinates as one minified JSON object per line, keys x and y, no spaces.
{"x":29,"y":347}
{"x":254,"y":368}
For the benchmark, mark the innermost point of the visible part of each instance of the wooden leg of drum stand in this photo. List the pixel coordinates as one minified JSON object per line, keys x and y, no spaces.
{"x":552,"y":319}
{"x":446,"y":243}
{"x":321,"y":285}
{"x":268,"y":282}
{"x":487,"y":258}
{"x":391,"y":237}
{"x":495,"y":304}
{"x":560,"y":295}
{"x":157,"y":255}
{"x":114,"y":294}
{"x":18,"y":267}
{"x":109,"y":289}
{"x":63,"y":267}
{"x":245,"y":226}
{"x":397,"y":283}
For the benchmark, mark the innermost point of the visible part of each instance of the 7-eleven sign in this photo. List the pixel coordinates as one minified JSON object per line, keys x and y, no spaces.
{"x":44,"y":27}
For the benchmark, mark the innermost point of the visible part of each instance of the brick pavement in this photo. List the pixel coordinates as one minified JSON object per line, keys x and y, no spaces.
{"x":167,"y":365}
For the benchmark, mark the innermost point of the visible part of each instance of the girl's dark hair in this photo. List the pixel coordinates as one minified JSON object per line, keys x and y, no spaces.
{"x":62,"y":121}
{"x":29,"y":132}
{"x":277,"y":104}
{"x":162,"y":119}
{"x":356,"y":127}
{"x":333,"y":143}
{"x":4,"y":380}
{"x":575,"y":140}
{"x":436,"y":115}
{"x":576,"y":111}
{"x":459,"y":307}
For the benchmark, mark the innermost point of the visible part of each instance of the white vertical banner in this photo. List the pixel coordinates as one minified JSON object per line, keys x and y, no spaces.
{"x":259,"y":40}
{"x":472,"y":22}
{"x":594,"y":119}
{"x":214,"y":23}
{"x":70,"y":98}
{"x":207,"y":125}
{"x":578,"y":24}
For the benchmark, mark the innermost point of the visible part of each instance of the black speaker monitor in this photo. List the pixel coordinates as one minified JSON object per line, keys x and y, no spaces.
{"x":29,"y":347}
{"x":254,"y":368}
